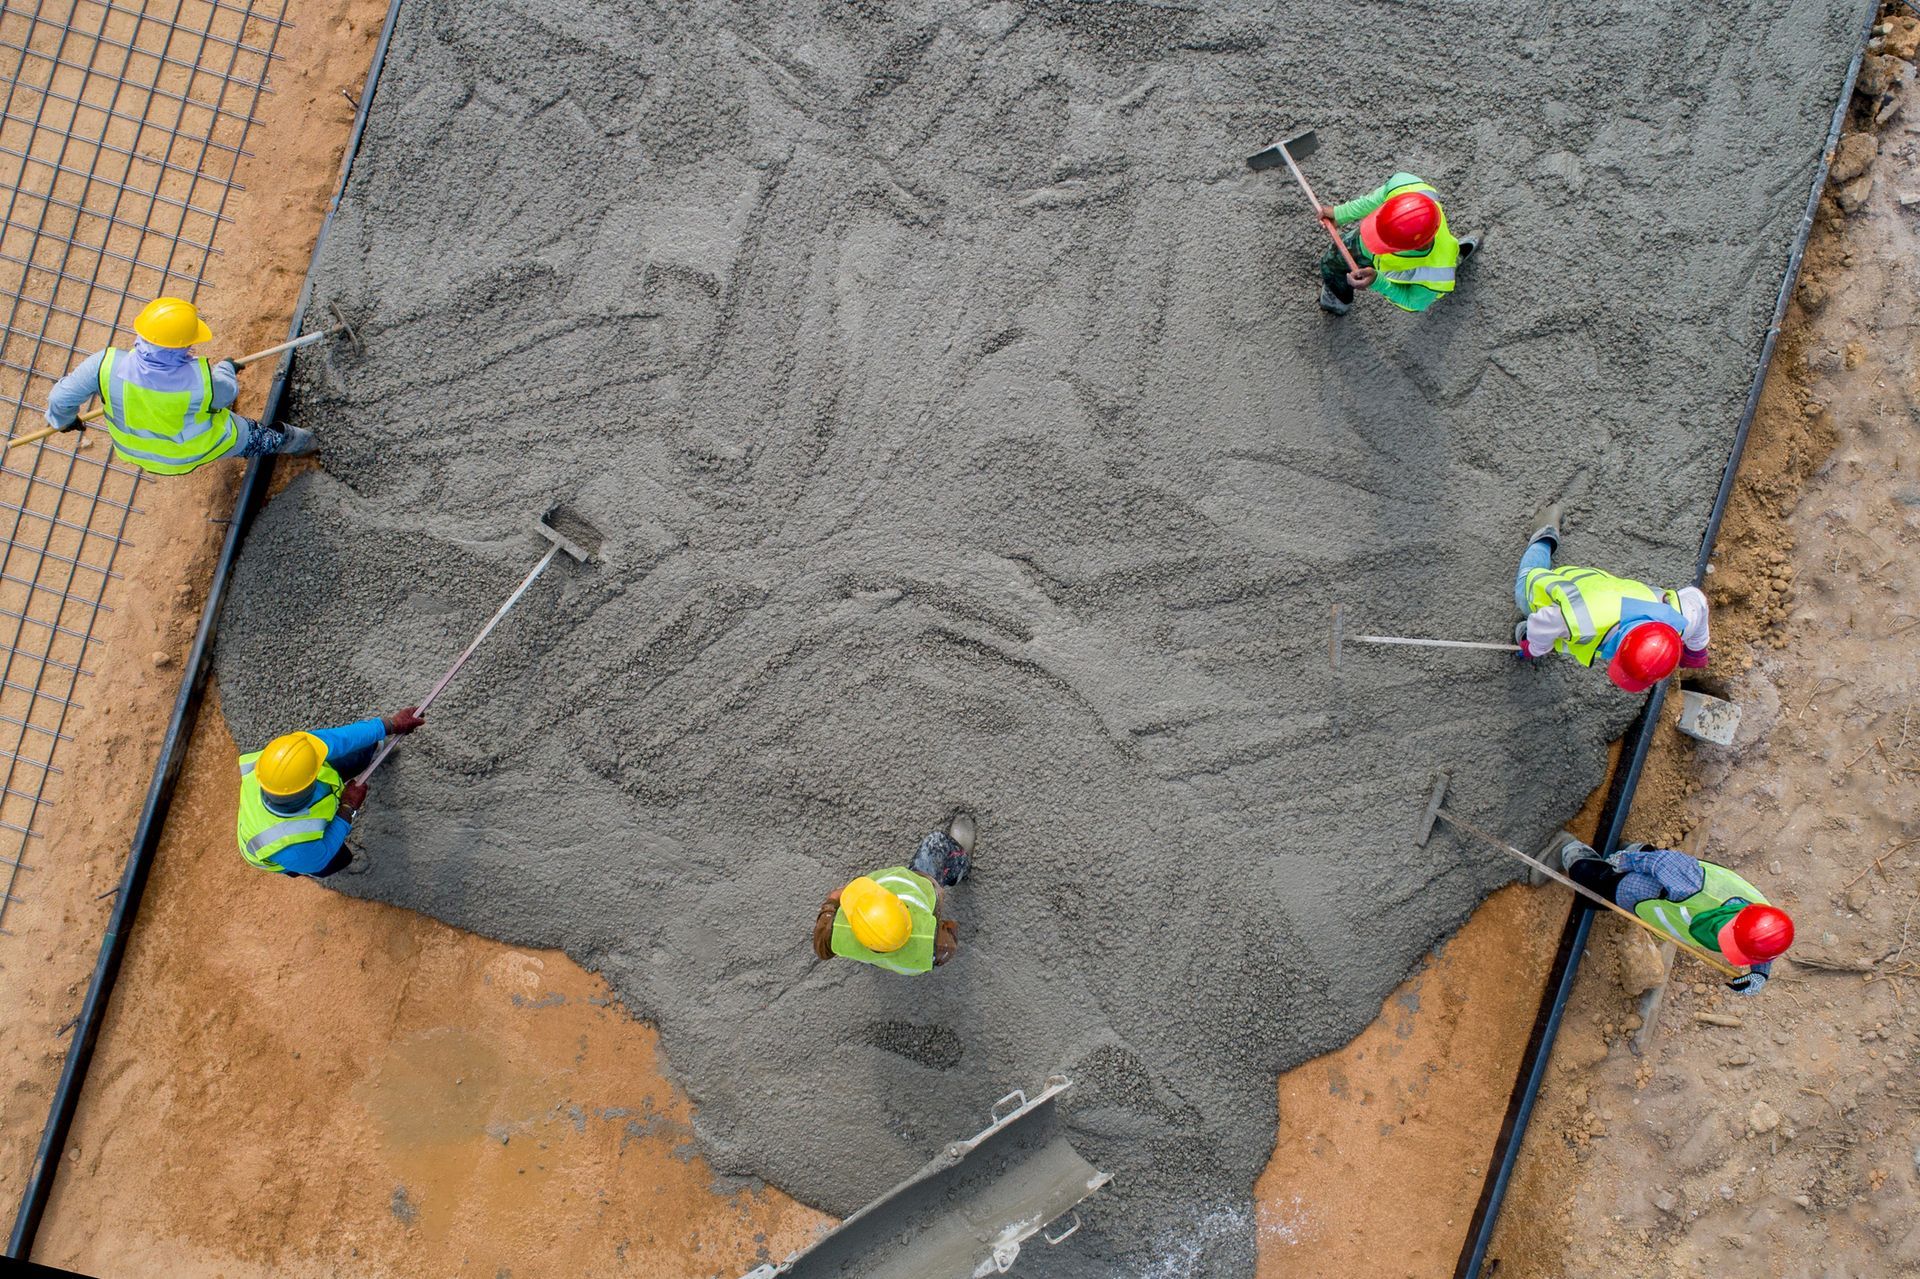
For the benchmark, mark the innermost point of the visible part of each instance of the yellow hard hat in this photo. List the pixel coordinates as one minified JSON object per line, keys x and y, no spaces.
{"x":879,"y":919}
{"x":171,"y":322}
{"x":290,"y":764}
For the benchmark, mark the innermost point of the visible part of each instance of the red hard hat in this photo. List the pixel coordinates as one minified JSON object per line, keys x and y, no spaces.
{"x":1406,"y":221}
{"x":1647,"y":654}
{"x":1757,"y":934}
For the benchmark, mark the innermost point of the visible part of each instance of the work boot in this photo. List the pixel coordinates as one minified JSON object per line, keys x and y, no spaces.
{"x":1468,"y":246}
{"x":1331,"y":303}
{"x":299,"y":441}
{"x":1548,"y":526}
{"x":1572,"y":850}
{"x":961,"y":830}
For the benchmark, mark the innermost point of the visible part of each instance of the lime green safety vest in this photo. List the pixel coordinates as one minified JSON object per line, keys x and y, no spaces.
{"x":917,"y":955}
{"x":263,"y":832}
{"x":1433,"y":269}
{"x":1591,"y":602}
{"x":1700,"y":917}
{"x":166,"y":432}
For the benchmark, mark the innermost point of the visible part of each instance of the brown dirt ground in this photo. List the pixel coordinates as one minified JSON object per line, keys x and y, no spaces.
{"x":1782,"y":1138}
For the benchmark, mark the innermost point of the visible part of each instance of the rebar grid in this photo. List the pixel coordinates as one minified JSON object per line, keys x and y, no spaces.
{"x":123,"y":125}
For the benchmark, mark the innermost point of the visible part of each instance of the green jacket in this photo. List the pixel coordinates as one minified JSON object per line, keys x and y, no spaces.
{"x":1408,"y":297}
{"x":916,"y":956}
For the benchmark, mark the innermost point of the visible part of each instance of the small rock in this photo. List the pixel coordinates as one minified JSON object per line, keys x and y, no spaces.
{"x":1854,"y":195}
{"x":1852,"y":157}
{"x":1774,"y":867}
{"x":1878,"y":74}
{"x":160,"y":660}
{"x":1763,"y":1118}
{"x":1641,"y":965}
{"x":1667,"y":1202}
{"x":1739,"y":1057}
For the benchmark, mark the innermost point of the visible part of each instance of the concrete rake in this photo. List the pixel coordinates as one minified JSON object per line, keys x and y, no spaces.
{"x":581,"y":541}
{"x":1286,"y":151}
{"x":1436,"y":812}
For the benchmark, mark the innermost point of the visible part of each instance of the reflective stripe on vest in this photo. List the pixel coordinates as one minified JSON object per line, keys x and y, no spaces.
{"x":263,"y":833}
{"x":1591,"y":603}
{"x":1680,"y":919}
{"x":1433,"y":269}
{"x":917,"y":955}
{"x":166,"y":432}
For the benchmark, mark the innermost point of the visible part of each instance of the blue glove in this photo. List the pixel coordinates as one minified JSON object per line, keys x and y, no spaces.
{"x":1747,"y":983}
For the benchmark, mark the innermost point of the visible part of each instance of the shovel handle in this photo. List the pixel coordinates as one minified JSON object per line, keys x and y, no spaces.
{"x":1314,"y":200}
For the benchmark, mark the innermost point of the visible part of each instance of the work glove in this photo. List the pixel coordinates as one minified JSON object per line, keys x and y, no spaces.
{"x":352,"y":795}
{"x":1363,"y":278}
{"x":946,"y":940}
{"x":1747,"y":983}
{"x":58,"y":425}
{"x":403,"y":721}
{"x":1520,"y":638}
{"x":1693,"y":660}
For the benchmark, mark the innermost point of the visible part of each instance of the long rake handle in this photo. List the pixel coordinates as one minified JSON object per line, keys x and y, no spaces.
{"x":386,"y":747}
{"x":95,"y":414}
{"x":1589,"y":894}
{"x":1433,"y":643}
{"x":1314,"y":200}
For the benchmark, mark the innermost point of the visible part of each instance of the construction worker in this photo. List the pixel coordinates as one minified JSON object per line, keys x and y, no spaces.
{"x":169,"y":412}
{"x":1693,"y":901}
{"x":1405,"y":252}
{"x":1641,"y":633}
{"x":295,"y":809}
{"x":891,"y":918}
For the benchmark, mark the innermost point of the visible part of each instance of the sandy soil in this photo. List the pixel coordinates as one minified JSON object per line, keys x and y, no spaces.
{"x":1780,"y":1134}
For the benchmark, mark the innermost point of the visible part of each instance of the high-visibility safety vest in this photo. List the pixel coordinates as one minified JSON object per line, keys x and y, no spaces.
{"x":263,"y":832}
{"x":917,"y":955}
{"x":1595,"y":603}
{"x":169,"y":429}
{"x":1433,"y":269}
{"x":1699,"y":918}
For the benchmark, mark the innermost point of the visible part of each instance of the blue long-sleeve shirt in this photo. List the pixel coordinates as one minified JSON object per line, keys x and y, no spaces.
{"x":71,"y":393}
{"x":349,"y":748}
{"x":1662,"y":873}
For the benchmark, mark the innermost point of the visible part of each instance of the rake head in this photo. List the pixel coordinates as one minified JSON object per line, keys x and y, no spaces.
{"x":1299,"y":146}
{"x":566,"y":530}
{"x":1439,"y":796}
{"x":340,"y":322}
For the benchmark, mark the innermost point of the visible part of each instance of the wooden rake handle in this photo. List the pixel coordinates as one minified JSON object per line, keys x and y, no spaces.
{"x":1712,"y":961}
{"x":96,"y":413}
